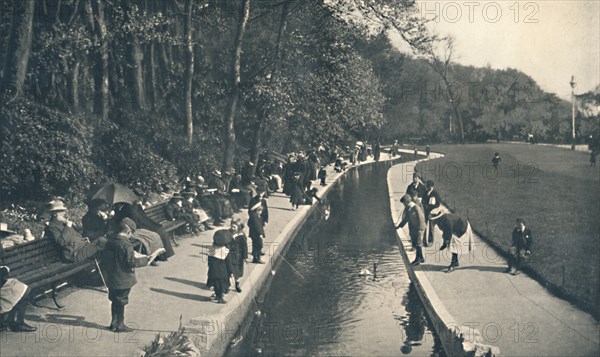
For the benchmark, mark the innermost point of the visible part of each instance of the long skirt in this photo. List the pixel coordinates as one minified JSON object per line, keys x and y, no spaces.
{"x":150,"y":240}
{"x":10,"y":294}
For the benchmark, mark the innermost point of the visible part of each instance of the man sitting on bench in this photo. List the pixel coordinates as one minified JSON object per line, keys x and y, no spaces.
{"x":75,"y":248}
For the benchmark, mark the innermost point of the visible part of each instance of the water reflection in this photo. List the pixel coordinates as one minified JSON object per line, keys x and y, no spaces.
{"x":319,"y":304}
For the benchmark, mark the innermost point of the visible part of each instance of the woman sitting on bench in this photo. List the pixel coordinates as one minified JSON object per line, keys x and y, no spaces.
{"x":13,"y":301}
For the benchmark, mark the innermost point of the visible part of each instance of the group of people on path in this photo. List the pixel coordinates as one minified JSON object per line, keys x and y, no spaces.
{"x":422,"y":212}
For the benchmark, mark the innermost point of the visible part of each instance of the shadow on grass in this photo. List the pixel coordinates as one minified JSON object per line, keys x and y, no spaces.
{"x":181,"y":295}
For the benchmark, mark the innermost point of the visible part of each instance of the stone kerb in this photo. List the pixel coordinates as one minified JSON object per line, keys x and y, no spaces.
{"x":456,"y":339}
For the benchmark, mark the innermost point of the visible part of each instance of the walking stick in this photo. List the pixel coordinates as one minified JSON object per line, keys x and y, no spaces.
{"x":99,"y":271}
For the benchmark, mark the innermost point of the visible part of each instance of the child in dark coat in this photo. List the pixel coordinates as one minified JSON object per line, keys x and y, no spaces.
{"x":323,"y":175}
{"x":118,"y":262}
{"x":220,"y":268}
{"x":238,"y":251}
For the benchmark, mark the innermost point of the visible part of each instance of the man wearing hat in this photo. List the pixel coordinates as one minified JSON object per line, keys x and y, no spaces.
{"x":417,"y":186}
{"x":522,"y":241}
{"x":453,"y":228}
{"x":415,"y":218}
{"x":75,"y":247}
{"x":257,"y":232}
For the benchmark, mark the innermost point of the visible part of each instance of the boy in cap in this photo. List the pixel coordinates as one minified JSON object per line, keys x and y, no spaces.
{"x":118,"y":262}
{"x":416,"y":226}
{"x":260,"y":198}
{"x":322,"y":175}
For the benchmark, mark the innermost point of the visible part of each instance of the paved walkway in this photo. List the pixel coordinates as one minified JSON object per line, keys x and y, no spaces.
{"x":165,"y":295}
{"x":514,"y":313}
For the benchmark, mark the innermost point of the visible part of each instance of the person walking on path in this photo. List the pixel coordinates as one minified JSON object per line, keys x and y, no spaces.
{"x":118,"y":262}
{"x":427,"y":151}
{"x":453,"y":228}
{"x":257,"y":232}
{"x":496,"y":160}
{"x":431,"y":201}
{"x":522,"y":241}
{"x":417,"y":186}
{"x":416,"y":226}
{"x":220,"y":267}
{"x":238,"y":249}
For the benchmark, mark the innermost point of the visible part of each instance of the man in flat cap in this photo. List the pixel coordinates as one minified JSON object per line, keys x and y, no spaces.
{"x":416,"y":226}
{"x":257,"y":232}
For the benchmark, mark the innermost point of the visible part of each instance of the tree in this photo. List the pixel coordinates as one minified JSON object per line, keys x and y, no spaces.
{"x":234,"y":89}
{"x":189,"y":72}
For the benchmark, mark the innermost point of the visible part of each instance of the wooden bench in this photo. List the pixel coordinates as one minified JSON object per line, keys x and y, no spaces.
{"x":38,"y":264}
{"x":158,"y":214}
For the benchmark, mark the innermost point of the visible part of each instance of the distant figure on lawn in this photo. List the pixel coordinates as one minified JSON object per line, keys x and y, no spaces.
{"x":522,"y":241}
{"x":453,"y":228}
{"x":496,"y":160}
{"x":427,"y":151}
{"x":593,"y":155}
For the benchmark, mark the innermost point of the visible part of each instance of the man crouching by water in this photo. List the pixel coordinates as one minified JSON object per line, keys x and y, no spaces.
{"x":415,"y":218}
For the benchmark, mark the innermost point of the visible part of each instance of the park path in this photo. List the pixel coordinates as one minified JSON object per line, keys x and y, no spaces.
{"x":165,"y":295}
{"x":513,"y":313}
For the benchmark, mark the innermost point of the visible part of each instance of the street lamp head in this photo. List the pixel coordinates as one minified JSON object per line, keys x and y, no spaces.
{"x":572,"y":83}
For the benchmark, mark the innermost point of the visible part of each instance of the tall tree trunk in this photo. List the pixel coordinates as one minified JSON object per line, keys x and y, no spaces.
{"x":262,"y":113}
{"x":19,"y":48}
{"x":153,"y":79}
{"x":74,"y":84}
{"x":137,"y":57}
{"x":189,"y":73}
{"x":234,"y":95}
{"x":104,"y":86}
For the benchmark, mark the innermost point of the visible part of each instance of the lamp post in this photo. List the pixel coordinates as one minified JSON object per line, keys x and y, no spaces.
{"x":450,"y":120}
{"x":572,"y":83}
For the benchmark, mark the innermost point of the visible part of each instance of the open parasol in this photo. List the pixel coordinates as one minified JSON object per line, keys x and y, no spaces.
{"x":111,"y":193}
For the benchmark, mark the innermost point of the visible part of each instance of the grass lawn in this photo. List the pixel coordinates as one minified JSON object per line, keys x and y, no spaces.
{"x":554,"y":189}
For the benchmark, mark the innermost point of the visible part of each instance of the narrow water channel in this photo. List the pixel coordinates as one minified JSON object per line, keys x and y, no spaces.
{"x":318,"y":303}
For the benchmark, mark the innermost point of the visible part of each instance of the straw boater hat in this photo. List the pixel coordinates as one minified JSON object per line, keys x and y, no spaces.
{"x":57,"y":206}
{"x":436,"y":213}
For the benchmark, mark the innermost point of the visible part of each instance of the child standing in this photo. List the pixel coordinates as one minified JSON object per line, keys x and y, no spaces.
{"x":238,"y":251}
{"x":220,"y":268}
{"x":118,"y":262}
{"x":322,"y":175}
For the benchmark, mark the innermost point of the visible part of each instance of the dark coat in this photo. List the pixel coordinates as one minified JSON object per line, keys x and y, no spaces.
{"x":94,"y":225}
{"x":452,"y":224}
{"x":415,"y":218}
{"x":219,"y":268}
{"x":522,"y":239}
{"x":420,"y":189}
{"x":265,"y":212}
{"x":431,"y":200}
{"x":238,"y":250}
{"x":73,"y":245}
{"x":118,"y":263}
{"x":255,"y":225}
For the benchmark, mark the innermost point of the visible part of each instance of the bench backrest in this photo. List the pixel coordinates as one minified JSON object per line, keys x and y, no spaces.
{"x":157,"y":212}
